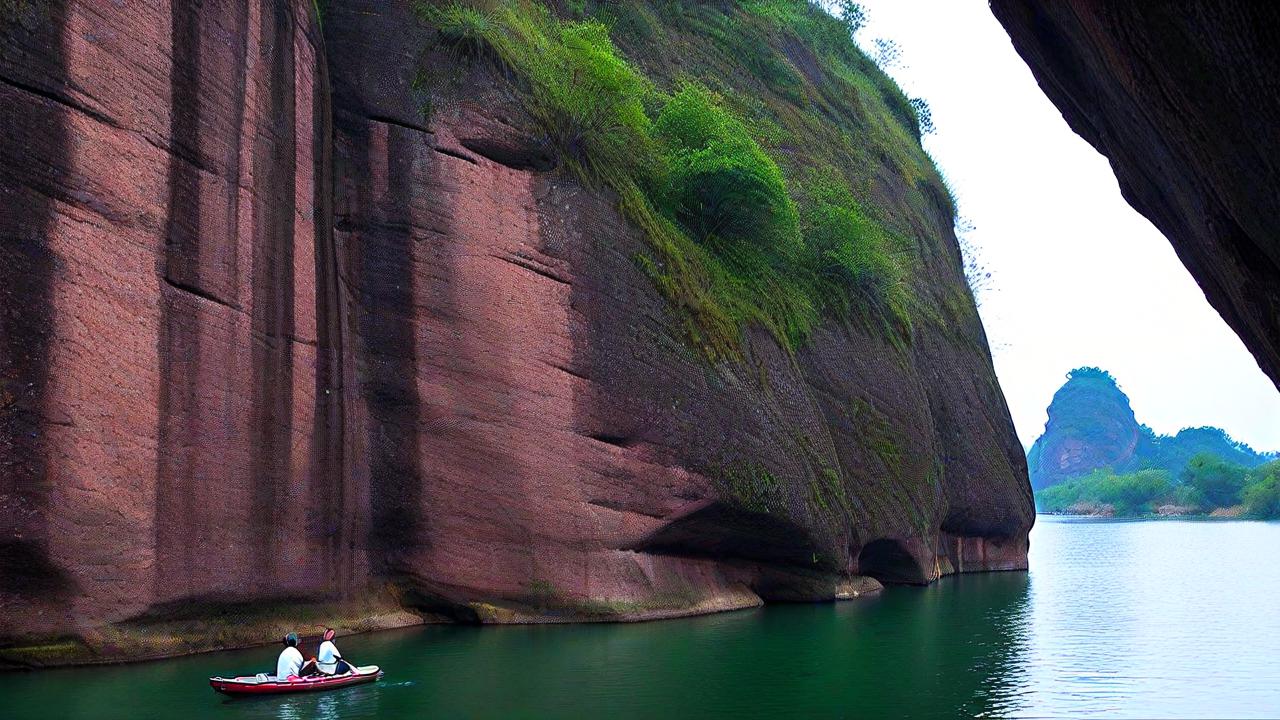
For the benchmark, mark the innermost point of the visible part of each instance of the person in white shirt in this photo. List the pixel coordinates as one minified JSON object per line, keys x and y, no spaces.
{"x":290,"y":662}
{"x":329,"y":661}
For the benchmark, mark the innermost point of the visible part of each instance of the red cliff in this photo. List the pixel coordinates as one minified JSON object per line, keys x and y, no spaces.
{"x":277,"y":349}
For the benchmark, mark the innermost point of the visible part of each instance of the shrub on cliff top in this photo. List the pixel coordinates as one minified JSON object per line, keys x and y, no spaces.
{"x":854,"y":259}
{"x":720,"y":184}
{"x":590,"y":101}
{"x":827,"y":32}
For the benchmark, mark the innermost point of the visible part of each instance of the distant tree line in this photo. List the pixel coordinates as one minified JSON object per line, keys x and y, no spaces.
{"x":1207,"y":483}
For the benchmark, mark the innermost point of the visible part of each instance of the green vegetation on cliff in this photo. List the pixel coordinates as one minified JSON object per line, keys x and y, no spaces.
{"x":744,"y":138}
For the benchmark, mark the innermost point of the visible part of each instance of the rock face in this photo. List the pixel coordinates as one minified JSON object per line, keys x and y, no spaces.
{"x":1091,"y":426}
{"x":1184,"y":99}
{"x":171,"y":424}
{"x":277,"y":348}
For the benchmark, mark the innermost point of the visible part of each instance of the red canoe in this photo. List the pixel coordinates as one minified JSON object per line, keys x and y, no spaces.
{"x":269,"y":685}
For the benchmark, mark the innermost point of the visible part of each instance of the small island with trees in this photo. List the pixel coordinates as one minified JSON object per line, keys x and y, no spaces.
{"x":1094,"y":458}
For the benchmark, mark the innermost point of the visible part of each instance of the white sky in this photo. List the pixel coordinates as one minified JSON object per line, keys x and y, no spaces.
{"x":1079,"y":277}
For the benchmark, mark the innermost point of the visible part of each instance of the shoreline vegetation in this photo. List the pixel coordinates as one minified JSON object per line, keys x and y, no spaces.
{"x":1229,"y":514}
{"x":1207,"y":487}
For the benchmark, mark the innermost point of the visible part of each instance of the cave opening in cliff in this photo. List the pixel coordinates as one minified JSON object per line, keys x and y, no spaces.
{"x":889,"y":562}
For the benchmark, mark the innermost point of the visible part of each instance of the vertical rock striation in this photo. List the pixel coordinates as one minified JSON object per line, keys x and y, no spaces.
{"x":36,"y":587}
{"x":167,"y":424}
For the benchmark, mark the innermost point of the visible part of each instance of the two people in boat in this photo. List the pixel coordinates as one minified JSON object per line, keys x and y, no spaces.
{"x":328,"y":661}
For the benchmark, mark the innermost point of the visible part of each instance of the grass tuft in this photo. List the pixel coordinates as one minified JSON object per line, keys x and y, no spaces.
{"x":463,"y":26}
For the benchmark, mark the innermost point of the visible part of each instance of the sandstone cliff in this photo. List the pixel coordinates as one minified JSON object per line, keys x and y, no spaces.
{"x":283,"y":345}
{"x":1184,"y":99}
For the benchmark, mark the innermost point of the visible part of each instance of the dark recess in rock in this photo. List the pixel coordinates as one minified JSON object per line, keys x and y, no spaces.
{"x":889,"y":562}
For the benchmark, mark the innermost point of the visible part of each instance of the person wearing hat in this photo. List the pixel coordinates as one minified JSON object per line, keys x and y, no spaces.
{"x":289,"y":666}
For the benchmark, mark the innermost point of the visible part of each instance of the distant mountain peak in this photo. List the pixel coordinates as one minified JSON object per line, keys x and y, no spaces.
{"x":1092,"y":425}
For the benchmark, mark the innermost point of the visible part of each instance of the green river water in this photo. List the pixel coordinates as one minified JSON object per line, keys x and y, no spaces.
{"x":1115,"y":619}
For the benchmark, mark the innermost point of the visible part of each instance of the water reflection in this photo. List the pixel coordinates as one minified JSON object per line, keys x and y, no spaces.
{"x":956,"y":648}
{"x":1003,"y":664}
{"x":298,"y":707}
{"x":932,"y":652}
{"x":355,"y":702}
